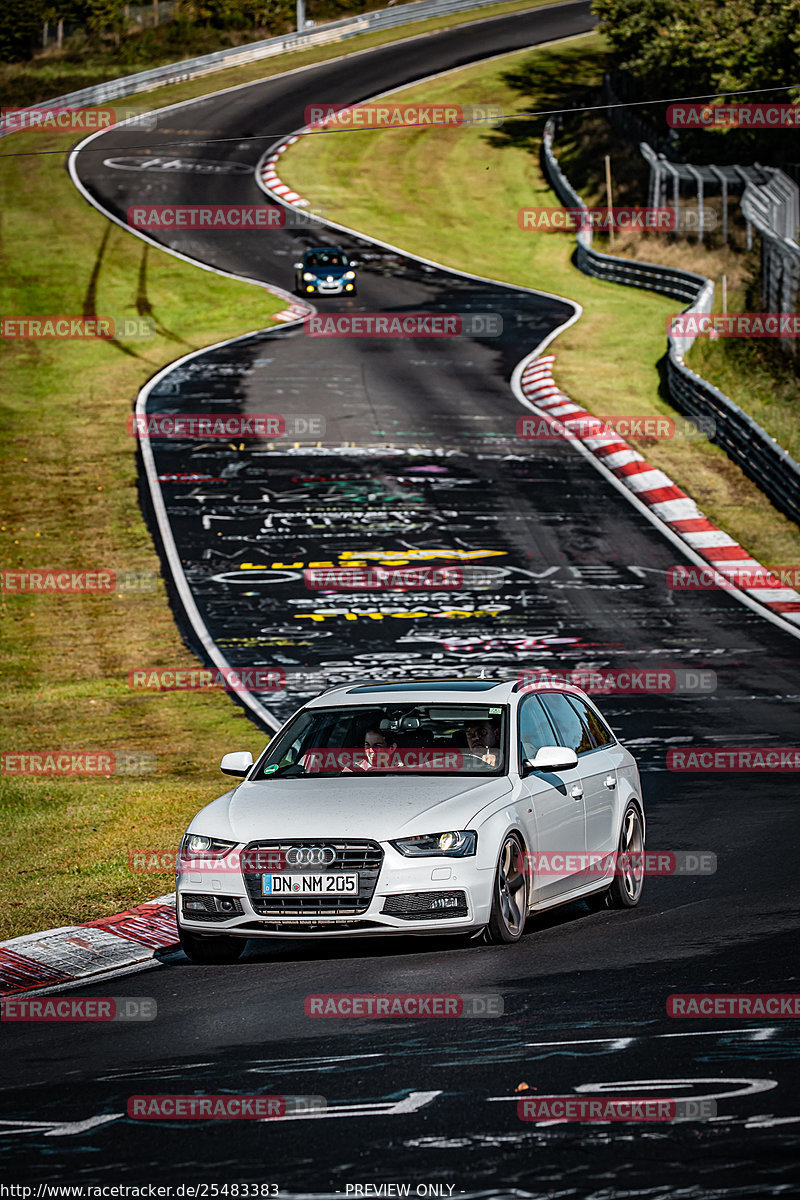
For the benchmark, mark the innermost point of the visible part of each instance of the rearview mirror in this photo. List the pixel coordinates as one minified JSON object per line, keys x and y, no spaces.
{"x":238,"y":763}
{"x":553,"y":758}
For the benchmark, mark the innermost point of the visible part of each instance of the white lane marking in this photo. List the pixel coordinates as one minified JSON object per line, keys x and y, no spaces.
{"x":56,"y":1128}
{"x":68,"y":1128}
{"x":768,"y":1122}
{"x":380,"y":1108}
{"x":752,"y":1086}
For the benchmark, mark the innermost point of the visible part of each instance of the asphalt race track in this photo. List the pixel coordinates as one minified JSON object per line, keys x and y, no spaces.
{"x":420,"y":454}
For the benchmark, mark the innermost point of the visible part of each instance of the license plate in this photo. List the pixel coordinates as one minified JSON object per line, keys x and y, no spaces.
{"x":337,"y":884}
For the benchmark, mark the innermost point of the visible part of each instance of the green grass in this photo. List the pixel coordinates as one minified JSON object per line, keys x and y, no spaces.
{"x":453,"y":195}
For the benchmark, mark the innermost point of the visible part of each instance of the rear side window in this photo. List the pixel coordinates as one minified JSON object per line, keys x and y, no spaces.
{"x":600,"y":734}
{"x":535,"y":730}
{"x":571,"y":730}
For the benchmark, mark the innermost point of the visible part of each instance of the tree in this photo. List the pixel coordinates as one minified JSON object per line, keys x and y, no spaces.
{"x":687,"y":47}
{"x":21,"y":23}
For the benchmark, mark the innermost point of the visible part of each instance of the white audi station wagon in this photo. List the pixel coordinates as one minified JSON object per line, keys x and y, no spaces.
{"x":428,"y":807}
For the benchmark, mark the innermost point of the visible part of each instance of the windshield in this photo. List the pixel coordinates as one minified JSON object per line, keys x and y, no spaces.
{"x":326,"y":258}
{"x":393,"y":739}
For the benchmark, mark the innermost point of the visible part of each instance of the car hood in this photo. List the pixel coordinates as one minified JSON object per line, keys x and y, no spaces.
{"x":379,"y":809}
{"x":324,"y":272}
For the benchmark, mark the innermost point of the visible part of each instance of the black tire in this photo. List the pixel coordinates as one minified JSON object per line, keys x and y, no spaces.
{"x":626,"y":888}
{"x":510,"y":894}
{"x":217,"y":949}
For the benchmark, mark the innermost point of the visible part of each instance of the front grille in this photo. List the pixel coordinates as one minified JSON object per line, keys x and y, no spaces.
{"x":210,"y":910}
{"x":365,"y":858}
{"x":308,"y":927}
{"x":426,"y":906}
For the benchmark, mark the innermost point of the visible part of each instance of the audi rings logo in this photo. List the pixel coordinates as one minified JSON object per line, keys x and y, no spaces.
{"x":310,"y":856}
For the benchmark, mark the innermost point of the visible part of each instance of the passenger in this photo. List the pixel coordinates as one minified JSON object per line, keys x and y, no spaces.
{"x":377,"y":747}
{"x":378,"y":751}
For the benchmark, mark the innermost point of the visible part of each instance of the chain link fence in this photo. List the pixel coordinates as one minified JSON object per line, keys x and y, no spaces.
{"x":749,"y":445}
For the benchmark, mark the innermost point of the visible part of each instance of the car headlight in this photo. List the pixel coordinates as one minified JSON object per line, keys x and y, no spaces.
{"x":349,"y":274}
{"x":308,"y":276}
{"x":194,"y":845}
{"x":455,"y":845}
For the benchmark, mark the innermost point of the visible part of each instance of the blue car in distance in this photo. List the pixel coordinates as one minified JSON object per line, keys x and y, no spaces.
{"x":325,"y":271}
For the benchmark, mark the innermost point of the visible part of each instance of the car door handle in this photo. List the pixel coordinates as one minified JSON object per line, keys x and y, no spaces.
{"x":577,"y":792}
{"x":610,"y":781}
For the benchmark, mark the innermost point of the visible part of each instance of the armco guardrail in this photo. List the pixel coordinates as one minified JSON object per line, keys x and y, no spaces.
{"x":749,"y":445}
{"x":237,"y":56}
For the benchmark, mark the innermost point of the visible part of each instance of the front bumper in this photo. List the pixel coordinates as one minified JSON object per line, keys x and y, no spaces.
{"x":341,"y":287}
{"x":392,"y":901}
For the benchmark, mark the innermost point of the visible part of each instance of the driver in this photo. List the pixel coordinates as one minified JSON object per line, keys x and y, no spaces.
{"x":483,"y":739}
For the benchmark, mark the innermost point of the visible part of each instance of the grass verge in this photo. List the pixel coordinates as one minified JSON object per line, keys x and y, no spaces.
{"x":453,"y":196}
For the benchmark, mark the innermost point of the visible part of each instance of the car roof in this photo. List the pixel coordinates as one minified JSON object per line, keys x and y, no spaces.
{"x":424,"y":691}
{"x":325,"y":250}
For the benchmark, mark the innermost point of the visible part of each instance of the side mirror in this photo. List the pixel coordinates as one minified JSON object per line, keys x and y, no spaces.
{"x":553,"y":758}
{"x":298,"y":266}
{"x":238,"y":763}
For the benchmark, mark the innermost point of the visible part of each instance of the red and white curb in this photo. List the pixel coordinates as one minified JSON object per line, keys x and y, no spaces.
{"x":272,"y":181}
{"x":656,"y":490}
{"x":77,"y":952}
